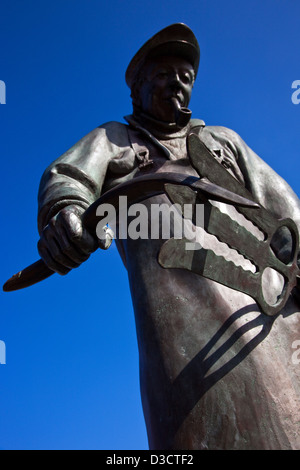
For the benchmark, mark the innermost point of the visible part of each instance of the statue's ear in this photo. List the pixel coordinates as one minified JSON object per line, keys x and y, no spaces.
{"x":135,"y":96}
{"x":136,"y":87}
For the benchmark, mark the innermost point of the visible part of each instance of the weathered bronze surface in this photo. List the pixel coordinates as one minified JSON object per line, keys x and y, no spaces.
{"x":215,"y":371}
{"x":136,"y":190}
{"x":173,"y":254}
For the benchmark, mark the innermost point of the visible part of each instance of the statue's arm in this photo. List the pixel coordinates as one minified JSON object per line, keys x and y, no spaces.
{"x":268,"y":188}
{"x":68,"y":186}
{"x":272,"y":191}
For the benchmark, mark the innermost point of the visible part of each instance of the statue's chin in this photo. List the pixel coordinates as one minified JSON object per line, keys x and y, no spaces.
{"x":172,"y":123}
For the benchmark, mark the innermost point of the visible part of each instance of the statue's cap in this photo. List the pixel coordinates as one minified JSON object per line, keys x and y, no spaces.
{"x":177,"y":39}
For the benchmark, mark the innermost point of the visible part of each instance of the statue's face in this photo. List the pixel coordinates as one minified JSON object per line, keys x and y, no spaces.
{"x":168,"y":80}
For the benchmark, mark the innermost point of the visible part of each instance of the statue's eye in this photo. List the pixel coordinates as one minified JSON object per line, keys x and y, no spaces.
{"x":186,"y":78}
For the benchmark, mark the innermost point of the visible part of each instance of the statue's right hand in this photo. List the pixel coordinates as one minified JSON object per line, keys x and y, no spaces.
{"x":64,"y":242}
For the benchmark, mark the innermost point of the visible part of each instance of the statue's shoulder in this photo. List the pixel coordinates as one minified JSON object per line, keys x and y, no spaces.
{"x":223,"y":131}
{"x":113,"y":126}
{"x":220,"y":136}
{"x":111,"y":129}
{"x":218,"y":132}
{"x":112,"y":133}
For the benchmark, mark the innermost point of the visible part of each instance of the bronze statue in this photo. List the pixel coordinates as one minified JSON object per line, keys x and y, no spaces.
{"x":216,"y":367}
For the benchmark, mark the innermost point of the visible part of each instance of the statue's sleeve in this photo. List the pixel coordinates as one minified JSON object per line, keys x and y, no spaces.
{"x":269,"y":188}
{"x":78,"y":175}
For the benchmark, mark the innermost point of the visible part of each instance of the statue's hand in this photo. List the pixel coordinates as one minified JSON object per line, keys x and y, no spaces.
{"x":64,"y":242}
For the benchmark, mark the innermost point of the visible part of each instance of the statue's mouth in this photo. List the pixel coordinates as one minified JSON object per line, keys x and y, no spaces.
{"x":178,"y":97}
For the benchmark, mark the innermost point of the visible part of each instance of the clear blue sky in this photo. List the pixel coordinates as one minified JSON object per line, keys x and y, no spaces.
{"x":71,"y":375}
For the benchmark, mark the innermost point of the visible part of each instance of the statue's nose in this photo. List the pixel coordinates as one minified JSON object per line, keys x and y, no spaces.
{"x":175,"y":80}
